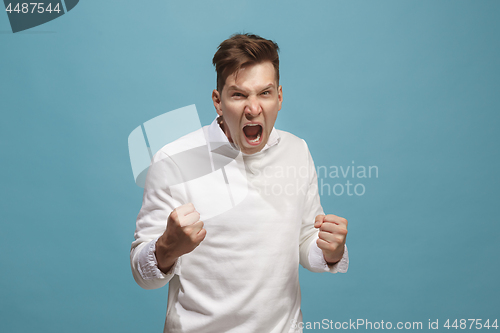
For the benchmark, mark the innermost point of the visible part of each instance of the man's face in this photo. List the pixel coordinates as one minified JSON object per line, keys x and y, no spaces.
{"x":249,"y":103}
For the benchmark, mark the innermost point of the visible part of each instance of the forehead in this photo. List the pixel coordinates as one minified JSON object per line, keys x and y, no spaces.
{"x":262,"y":73}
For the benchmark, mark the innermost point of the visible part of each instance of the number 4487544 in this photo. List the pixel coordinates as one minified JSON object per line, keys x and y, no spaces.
{"x":471,"y":324}
{"x":38,"y":6}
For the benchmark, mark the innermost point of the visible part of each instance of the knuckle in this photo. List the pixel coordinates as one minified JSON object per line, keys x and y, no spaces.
{"x":180,"y":221}
{"x":203,"y":233}
{"x":341,"y":231}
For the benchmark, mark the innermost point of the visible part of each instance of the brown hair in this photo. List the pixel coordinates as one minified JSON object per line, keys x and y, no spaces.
{"x":241,"y":50}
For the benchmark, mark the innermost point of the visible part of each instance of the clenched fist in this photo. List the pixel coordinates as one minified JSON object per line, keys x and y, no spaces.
{"x":332,"y":235}
{"x":183,"y":234}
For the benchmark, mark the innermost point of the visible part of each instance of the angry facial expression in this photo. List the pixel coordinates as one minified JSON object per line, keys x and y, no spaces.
{"x":249,"y":103}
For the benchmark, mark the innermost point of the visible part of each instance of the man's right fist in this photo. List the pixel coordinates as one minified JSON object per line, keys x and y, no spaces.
{"x":183,"y":234}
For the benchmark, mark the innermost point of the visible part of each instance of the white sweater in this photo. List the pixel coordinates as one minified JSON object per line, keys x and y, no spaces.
{"x":258,"y":211}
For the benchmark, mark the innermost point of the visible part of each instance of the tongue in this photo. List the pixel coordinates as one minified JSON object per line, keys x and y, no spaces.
{"x":251,"y":131}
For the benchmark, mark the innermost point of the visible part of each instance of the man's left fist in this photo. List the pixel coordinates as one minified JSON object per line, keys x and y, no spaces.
{"x":332,"y":234}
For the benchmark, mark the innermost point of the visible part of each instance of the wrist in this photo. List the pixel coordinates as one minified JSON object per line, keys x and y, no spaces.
{"x":331,"y":258}
{"x":164,"y":258}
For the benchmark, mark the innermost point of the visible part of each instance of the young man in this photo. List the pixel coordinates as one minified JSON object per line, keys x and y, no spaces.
{"x":237,"y":271}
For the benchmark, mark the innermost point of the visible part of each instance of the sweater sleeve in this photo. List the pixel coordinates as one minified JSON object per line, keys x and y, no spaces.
{"x":159,"y":200}
{"x":311,"y":257}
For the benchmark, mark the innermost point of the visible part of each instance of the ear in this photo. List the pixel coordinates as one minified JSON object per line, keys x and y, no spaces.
{"x":280,"y":97}
{"x":217,"y":102}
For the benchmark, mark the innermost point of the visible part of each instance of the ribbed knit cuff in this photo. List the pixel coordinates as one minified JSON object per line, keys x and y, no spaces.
{"x":148,"y":266}
{"x":319,"y":264}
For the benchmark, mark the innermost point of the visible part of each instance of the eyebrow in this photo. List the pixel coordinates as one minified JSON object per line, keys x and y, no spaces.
{"x":235,"y":87}
{"x":270,"y":85}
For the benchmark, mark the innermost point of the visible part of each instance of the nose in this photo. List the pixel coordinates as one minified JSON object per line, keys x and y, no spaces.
{"x":253,"y":108}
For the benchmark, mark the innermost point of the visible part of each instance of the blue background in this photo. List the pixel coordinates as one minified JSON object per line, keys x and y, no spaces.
{"x":411,"y":87}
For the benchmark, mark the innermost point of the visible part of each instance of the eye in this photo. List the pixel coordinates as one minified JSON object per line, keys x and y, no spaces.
{"x":237,"y":94}
{"x":267,"y":92}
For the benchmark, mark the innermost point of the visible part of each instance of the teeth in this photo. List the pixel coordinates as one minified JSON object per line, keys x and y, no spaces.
{"x":256,"y":139}
{"x":252,"y":125}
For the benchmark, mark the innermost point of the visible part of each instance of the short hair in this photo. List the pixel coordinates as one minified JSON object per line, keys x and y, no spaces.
{"x":241,"y":50}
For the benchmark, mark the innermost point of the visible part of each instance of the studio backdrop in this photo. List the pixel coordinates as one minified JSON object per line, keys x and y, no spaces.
{"x":399,"y":104}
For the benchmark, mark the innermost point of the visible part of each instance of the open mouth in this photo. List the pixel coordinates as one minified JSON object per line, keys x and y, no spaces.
{"x":253,"y":133}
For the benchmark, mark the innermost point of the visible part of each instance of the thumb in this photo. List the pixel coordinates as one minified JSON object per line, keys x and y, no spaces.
{"x":319,"y":221}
